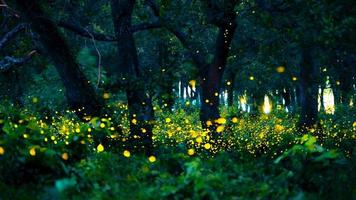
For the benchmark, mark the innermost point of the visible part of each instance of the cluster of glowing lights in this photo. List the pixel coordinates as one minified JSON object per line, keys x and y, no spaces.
{"x":253,"y":136}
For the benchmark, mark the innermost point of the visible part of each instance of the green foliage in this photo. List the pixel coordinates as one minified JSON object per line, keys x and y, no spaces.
{"x":264,"y":158}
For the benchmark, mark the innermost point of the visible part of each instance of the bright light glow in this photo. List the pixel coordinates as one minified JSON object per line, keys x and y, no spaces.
{"x":243,"y":102}
{"x":329,"y":101}
{"x":267,"y":105}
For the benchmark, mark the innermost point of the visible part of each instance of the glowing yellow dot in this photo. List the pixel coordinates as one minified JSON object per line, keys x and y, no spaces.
{"x":216,"y":94}
{"x":65,"y":156}
{"x":127,"y":154}
{"x":187,"y":103}
{"x":192,"y":83}
{"x":228,"y":83}
{"x":191,"y":152}
{"x":252,"y":78}
{"x":209,"y":123}
{"x":106,"y":95}
{"x":199,"y":139}
{"x":152,"y":159}
{"x":100,"y":148}
{"x":234,"y":120}
{"x":354,"y":124}
{"x":220,"y":129}
{"x":25,"y":136}
{"x":32,"y":152}
{"x":261,"y":135}
{"x":134,"y":121}
{"x":294,"y":78}
{"x":221,"y":120}
{"x":2,"y":151}
{"x":206,"y":100}
{"x":102,"y":125}
{"x":143,"y":130}
{"x":77,"y":130}
{"x":168,"y":120}
{"x":34,"y":100}
{"x":337,"y":82}
{"x":207,"y":146}
{"x":53,"y":138}
{"x":278,"y":128}
{"x":280,"y":69}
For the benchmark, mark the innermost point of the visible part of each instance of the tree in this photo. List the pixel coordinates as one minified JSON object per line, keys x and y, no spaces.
{"x":80,"y":94}
{"x":128,"y":69}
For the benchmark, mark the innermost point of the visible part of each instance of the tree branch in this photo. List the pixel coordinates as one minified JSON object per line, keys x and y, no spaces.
{"x":103,"y":37}
{"x":11,"y":34}
{"x":9,"y":61}
{"x":194,"y":52}
{"x":146,"y":26}
{"x":85,"y":33}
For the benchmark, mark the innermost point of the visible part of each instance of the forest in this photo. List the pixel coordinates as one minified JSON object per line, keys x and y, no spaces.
{"x":177,"y":99}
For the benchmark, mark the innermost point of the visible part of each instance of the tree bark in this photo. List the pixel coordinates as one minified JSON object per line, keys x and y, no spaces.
{"x":346,"y":76}
{"x":230,"y":89}
{"x":165,"y":93}
{"x":139,"y":102}
{"x":211,"y":74}
{"x":308,"y":91}
{"x":80,"y":95}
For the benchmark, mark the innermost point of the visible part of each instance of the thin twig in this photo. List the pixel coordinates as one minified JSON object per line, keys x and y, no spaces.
{"x":99,"y":58}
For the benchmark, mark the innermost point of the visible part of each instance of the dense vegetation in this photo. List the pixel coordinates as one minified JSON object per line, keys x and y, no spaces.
{"x":185,"y":99}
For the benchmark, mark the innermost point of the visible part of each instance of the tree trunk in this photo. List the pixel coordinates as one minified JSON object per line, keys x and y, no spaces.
{"x":211,"y":75}
{"x":139,"y":102}
{"x":308,"y":92}
{"x":345,"y":83}
{"x":287,"y":99}
{"x":230,"y":89}
{"x":257,"y":101}
{"x":322,"y":107}
{"x":165,"y":93}
{"x":80,"y":94}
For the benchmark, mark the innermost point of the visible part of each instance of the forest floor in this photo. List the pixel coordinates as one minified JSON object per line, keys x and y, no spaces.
{"x":261,"y":158}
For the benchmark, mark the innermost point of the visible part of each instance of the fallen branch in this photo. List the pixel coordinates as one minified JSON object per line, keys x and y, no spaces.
{"x":8,"y":62}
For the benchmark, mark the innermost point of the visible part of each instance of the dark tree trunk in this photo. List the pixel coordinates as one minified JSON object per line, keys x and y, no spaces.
{"x":322,"y":107}
{"x":287,"y":96}
{"x":211,"y":74}
{"x":256,"y":103}
{"x":346,"y":75}
{"x":309,"y":75}
{"x":165,"y":93}
{"x":139,"y":101}
{"x":298,"y":96}
{"x":294,"y":103}
{"x":230,"y":89}
{"x":80,"y":95}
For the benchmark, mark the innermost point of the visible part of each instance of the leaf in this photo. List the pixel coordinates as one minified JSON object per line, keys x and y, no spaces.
{"x":332,"y":154}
